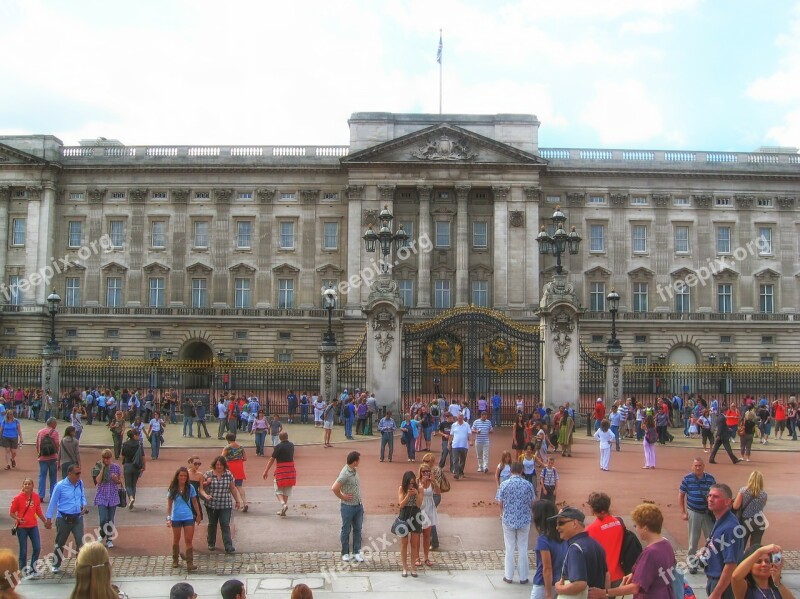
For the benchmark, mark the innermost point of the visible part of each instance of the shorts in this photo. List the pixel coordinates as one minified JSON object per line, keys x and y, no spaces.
{"x":239,"y":482}
{"x":182,"y":523}
{"x":282,"y":490}
{"x":327,"y":425}
{"x":9,"y":443}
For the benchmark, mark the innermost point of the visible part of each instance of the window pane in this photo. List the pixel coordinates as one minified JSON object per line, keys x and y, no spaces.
{"x":442,"y":294}
{"x":113,"y":292}
{"x":406,"y":289}
{"x":597,"y":297}
{"x":640,"y":299}
{"x":117,"y":233}
{"x":331,"y":236}
{"x":640,"y":238}
{"x":682,"y":303}
{"x":285,"y":293}
{"x":244,"y":230}
{"x":766,"y":299}
{"x":242,"y":293}
{"x":765,"y":241}
{"x":287,"y":236}
{"x":443,"y":234}
{"x":74,"y":233}
{"x":18,"y":232}
{"x":725,"y":298}
{"x":724,"y":240}
{"x":682,"y":239}
{"x":15,"y":294}
{"x":597,"y":241}
{"x":480,"y":234}
{"x":158,"y":234}
{"x":201,"y":234}
{"x":73,"y":291}
{"x":198,"y":293}
{"x":157,"y":292}
{"x":480,"y":294}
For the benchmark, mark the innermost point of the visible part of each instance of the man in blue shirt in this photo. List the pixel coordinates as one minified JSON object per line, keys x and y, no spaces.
{"x":291,"y":406}
{"x":585,"y":559}
{"x":496,"y":402}
{"x":69,"y":501}
{"x":693,"y":501}
{"x":387,"y":426}
{"x":516,"y":497}
{"x":725,"y":548}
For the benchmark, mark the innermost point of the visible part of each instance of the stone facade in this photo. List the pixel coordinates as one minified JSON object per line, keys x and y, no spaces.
{"x":202,"y":249}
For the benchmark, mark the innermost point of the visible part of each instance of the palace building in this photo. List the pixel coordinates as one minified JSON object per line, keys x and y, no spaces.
{"x":208,"y":249}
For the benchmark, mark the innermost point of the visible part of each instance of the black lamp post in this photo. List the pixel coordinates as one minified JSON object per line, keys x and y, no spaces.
{"x":712,"y":359}
{"x":561,"y":241}
{"x":613,"y":303}
{"x":329,"y":303}
{"x":53,"y":300}
{"x":662,"y":358}
{"x":385,"y":237}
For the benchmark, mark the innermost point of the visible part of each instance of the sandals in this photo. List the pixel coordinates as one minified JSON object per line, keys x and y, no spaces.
{"x":246,"y":506}
{"x":404,"y":574}
{"x":418,"y":563}
{"x":413,"y":574}
{"x":429,"y":563}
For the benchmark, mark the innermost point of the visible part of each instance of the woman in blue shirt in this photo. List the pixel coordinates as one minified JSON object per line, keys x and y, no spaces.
{"x":11,"y":439}
{"x":409,"y":436}
{"x":183,"y":510}
{"x":550,"y":550}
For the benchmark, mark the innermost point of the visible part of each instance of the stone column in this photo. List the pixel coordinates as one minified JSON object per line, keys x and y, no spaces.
{"x":328,"y":369}
{"x":221,"y":292}
{"x":424,"y":259}
{"x":51,"y":371}
{"x":94,"y":294}
{"x":532,"y":198}
{"x":613,"y":358}
{"x":140,"y":241}
{"x":5,"y":195}
{"x":462,"y":247}
{"x":31,"y":292}
{"x":559,"y":314}
{"x":266,"y":247}
{"x":384,"y":332}
{"x":355,"y":196}
{"x":308,"y":291}
{"x":500,"y":247}
{"x":180,"y":285}
{"x":47,"y":235}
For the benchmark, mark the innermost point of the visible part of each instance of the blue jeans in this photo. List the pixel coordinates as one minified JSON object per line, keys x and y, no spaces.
{"x":47,"y":467}
{"x":155,"y":443}
{"x":443,"y":459}
{"x":172,"y":416}
{"x":106,"y":520}
{"x":261,"y":439}
{"x":188,"y":421}
{"x":352,"y":518}
{"x":387,"y":439}
{"x":495,"y":416}
{"x":615,"y":430}
{"x":23,"y":534}
{"x":348,"y":427}
{"x":303,"y":414}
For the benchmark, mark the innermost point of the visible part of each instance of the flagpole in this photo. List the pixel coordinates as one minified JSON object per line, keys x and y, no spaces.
{"x":440,"y":71}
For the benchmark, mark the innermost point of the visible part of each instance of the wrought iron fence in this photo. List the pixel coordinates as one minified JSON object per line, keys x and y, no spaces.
{"x":21,"y":372}
{"x":352,"y":367}
{"x":592,"y":381}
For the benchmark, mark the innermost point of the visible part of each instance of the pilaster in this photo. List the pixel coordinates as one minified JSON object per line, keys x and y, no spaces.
{"x":424,"y":272}
{"x":462,"y":247}
{"x":355,"y":198}
{"x":32,"y":242}
{"x":5,"y":196}
{"x":500,"y":247}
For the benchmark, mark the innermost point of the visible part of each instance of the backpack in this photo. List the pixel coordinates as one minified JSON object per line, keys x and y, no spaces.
{"x":47,"y":446}
{"x":650,"y":436}
{"x":631,"y":548}
{"x":96,"y":470}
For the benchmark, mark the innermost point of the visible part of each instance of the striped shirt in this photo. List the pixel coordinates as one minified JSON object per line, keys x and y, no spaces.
{"x":482,"y":428}
{"x":549,"y":477}
{"x":623,"y":412}
{"x":696,"y":490}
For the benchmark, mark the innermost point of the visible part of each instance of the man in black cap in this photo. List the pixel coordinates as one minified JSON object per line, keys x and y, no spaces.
{"x":585,"y":560}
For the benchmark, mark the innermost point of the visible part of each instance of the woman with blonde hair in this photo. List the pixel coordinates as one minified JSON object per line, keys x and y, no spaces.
{"x":749,"y":504}
{"x":8,"y":564}
{"x":93,"y":574}
{"x":429,"y":460}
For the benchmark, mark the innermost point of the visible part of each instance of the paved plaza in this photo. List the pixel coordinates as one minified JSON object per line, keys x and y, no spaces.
{"x":273,"y":553}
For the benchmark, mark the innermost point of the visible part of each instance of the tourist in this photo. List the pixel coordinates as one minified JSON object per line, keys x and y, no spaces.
{"x":25,"y":508}
{"x":585,"y":565}
{"x":233,"y":589}
{"x":599,"y":413}
{"x":183,"y":511}
{"x":8,"y":565}
{"x":11,"y":439}
{"x":652,"y":571}
{"x":482,"y":427}
{"x":197,"y":480}
{"x":516,"y":499}
{"x":387,"y":427}
{"x":529,"y":464}
{"x":222,"y":417}
{"x":69,"y":451}
{"x":693,"y":501}
{"x":764,"y":417}
{"x":429,"y":460}
{"x":615,"y":418}
{"x":722,"y":440}
{"x":518,"y":436}
{"x":747,"y":430}
{"x":47,"y":445}
{"x":606,"y":438}
{"x":182,"y":590}
{"x":649,"y":443}
{"x":235,"y":458}
{"x":328,"y":415}
{"x":133,"y":464}
{"x":749,"y":503}
{"x":707,"y":435}
{"x":285,"y":471}
{"x":302,"y":591}
{"x":444,"y":432}
{"x":410,"y":514}
{"x":503,"y":471}
{"x":106,"y":498}
{"x":304,"y":403}
{"x":758,"y":575}
{"x":497,"y":402}
{"x":76,"y":420}
{"x":549,"y":550}
{"x":459,"y":443}
{"x":224,"y":493}
{"x":548,"y":480}
{"x":155,"y":432}
{"x":408,"y":436}
{"x":791,"y":417}
{"x":117,"y":426}
{"x":566,"y":428}
{"x":68,"y":503}
{"x":201,"y":416}
{"x":362,"y":412}
{"x":319,"y":408}
{"x":428,"y":489}
{"x":348,"y":489}
{"x":609,"y":532}
{"x":93,"y":575}
{"x":259,"y":429}
{"x":275,"y":428}
{"x":725,"y":547}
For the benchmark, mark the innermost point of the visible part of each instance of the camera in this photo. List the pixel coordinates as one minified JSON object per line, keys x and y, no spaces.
{"x":776,"y":558}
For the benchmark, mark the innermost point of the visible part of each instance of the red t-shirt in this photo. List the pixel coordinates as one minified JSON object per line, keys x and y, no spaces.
{"x":599,"y":411}
{"x":19,"y":505}
{"x":609,"y":532}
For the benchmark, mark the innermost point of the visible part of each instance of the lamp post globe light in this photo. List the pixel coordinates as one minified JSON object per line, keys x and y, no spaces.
{"x":613,"y":307}
{"x":329,"y":303}
{"x":561,"y":241}
{"x":384,"y":237}
{"x":53,"y":300}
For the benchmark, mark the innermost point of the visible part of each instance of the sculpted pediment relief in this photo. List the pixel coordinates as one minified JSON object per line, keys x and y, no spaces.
{"x":9,"y":155}
{"x":114,"y":266}
{"x":443,"y":144}
{"x":199,"y":268}
{"x":156,"y":268}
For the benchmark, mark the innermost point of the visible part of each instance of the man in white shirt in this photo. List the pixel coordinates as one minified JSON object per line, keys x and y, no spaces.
{"x":482,"y":427}
{"x":460,"y":441}
{"x":455,"y":408}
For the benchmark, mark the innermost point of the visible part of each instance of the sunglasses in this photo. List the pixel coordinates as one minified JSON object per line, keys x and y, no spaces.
{"x":563,"y":522}
{"x":196,"y":463}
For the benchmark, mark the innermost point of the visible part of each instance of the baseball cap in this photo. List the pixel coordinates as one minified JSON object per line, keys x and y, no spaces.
{"x":599,"y":400}
{"x":569,"y":513}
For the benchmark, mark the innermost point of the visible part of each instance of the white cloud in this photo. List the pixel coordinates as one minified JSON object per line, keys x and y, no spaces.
{"x":644,"y":27}
{"x":787,"y":134}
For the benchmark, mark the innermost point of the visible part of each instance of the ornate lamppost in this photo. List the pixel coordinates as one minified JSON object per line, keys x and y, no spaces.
{"x":561,"y":241}
{"x":613,"y":306}
{"x":385,"y":237}
{"x":329,"y":303}
{"x":53,"y":300}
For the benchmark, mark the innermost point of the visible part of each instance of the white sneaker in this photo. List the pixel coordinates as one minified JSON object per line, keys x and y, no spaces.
{"x":346,"y":557}
{"x":109,"y":544}
{"x":55,"y":569}
{"x":359,"y":557}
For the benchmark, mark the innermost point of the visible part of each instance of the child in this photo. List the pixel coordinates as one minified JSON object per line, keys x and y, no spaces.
{"x":503,"y":472}
{"x":692,"y":427}
{"x":529,"y":464}
{"x":275,"y":429}
{"x":548,"y":481}
{"x":606,"y":438}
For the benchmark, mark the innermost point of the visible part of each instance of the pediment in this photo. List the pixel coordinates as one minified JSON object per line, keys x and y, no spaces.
{"x":598,"y":272}
{"x":155,"y":267}
{"x":681,"y":273}
{"x":74,"y":266}
{"x":443,"y":144}
{"x":767,"y":273}
{"x":641,"y":273}
{"x":726,"y":273}
{"x":404,"y":271}
{"x":480,"y":271}
{"x":114,"y":266}
{"x":9,"y":155}
{"x":199,"y":267}
{"x":285,"y":268}
{"x":242,"y":267}
{"x":329,"y":269}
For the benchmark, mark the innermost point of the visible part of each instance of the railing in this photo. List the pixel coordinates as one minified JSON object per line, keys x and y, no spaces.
{"x":195,"y":153}
{"x":717,"y":159}
{"x":710,"y":316}
{"x":249,"y":312}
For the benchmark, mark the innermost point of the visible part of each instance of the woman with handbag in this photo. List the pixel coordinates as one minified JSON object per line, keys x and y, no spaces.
{"x":749,"y":506}
{"x":25,"y":508}
{"x":407,"y":495}
{"x":69,"y":451}
{"x":133,"y":464}
{"x":110,"y":494}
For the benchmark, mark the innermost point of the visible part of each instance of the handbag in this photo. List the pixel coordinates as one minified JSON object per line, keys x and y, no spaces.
{"x":16,"y":524}
{"x":399,"y":527}
{"x":444,"y":485}
{"x":584,"y":594}
{"x":123,"y":496}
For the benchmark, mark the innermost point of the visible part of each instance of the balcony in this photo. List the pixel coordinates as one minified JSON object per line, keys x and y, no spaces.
{"x":692,"y":316}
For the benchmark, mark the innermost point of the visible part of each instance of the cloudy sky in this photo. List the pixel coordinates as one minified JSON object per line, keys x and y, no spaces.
{"x":656,"y":74}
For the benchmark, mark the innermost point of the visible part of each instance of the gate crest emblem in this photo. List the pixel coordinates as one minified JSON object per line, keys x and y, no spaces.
{"x":499,"y":355}
{"x":444,"y":355}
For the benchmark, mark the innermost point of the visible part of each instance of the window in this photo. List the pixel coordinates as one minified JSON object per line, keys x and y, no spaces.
{"x":480,"y":294}
{"x":112,"y":354}
{"x":117,"y":233}
{"x":244,"y":195}
{"x":409,"y":229}
{"x":159,"y":195}
{"x":154,"y":354}
{"x":9,"y":331}
{"x":285,"y":335}
{"x":287,"y":197}
{"x":443,"y":195}
{"x":597,"y":297}
{"x":639,"y":239}
{"x":597,"y":339}
{"x":72,"y":332}
{"x":240,"y":335}
{"x":156,"y":296}
{"x":442,"y":234}
{"x":765,"y":241}
{"x":117,"y":195}
{"x":406,"y":290}
{"x":155,"y":333}
{"x":640,"y":338}
{"x":722,"y":201}
{"x":597,"y":238}
{"x":766,"y":298}
{"x":71,"y":354}
{"x":73,"y":292}
{"x":158,"y":234}
{"x":725,"y":298}
{"x":75,"y":234}
{"x":287,"y":236}
{"x":285,"y":294}
{"x":244,"y":234}
{"x":767,"y":339}
{"x":329,"y":284}
{"x":480,"y":234}
{"x":640,"y":360}
{"x":767,"y":361}
{"x":765,"y":202}
{"x":76,"y":195}
{"x":639,"y":201}
{"x":553,"y":199}
{"x":10,"y":352}
{"x":242,"y":293}
{"x":199,"y":293}
{"x":723,"y":240}
{"x":202,"y":195}
{"x":330,"y":196}
{"x":725,"y":338}
{"x":18,"y":231}
{"x":597,"y":199}
{"x":284,"y":356}
{"x":330,"y":236}
{"x":442,"y":293}
{"x":113,"y":333}
{"x":682,"y":239}
{"x":682,"y":297}
{"x":201,"y":233}
{"x":240,"y":356}
{"x":114,"y":292}
{"x":681,"y":202}
{"x":640,"y":297}
{"x":15,"y":293}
